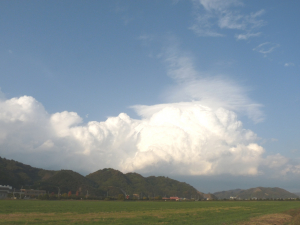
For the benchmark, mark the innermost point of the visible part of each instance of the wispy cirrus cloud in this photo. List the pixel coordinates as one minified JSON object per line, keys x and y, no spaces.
{"x":247,"y":36}
{"x":211,"y":90}
{"x":191,"y":84}
{"x":213,"y":16}
{"x":266,"y":48}
{"x":289,"y":64}
{"x":123,"y":11}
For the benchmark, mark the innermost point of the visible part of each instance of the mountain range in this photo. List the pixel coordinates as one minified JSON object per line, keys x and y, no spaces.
{"x":111,"y":182}
{"x":105,"y":182}
{"x":258,"y":192}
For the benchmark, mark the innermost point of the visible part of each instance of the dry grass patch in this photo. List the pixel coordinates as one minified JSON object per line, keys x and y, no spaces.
{"x":271,"y":219}
{"x":73,"y":217}
{"x":77,"y":217}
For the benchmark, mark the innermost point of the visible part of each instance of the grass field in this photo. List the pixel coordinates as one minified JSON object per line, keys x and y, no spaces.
{"x":118,"y":212}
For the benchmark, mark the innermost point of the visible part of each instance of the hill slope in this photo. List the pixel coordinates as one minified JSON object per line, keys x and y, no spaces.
{"x":68,"y":180}
{"x":102,"y":182}
{"x":259,"y":192}
{"x":114,"y":181}
{"x":18,"y":174}
{"x":227,"y":194}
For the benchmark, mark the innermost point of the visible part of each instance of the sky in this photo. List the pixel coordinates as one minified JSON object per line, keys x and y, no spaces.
{"x":202,"y":91}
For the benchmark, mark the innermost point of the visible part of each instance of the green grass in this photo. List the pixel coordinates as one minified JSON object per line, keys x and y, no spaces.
{"x":115,"y":212}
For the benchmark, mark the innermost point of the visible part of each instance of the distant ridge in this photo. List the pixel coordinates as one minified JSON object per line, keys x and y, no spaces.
{"x":103,"y":182}
{"x":208,"y":196}
{"x":297,"y":193}
{"x":258,"y":192}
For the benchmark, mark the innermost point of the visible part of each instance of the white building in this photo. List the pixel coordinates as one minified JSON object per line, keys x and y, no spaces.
{"x":4,"y":190}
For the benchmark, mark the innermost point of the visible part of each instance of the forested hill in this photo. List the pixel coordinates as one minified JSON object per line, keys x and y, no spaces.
{"x":18,"y":174}
{"x":133,"y":183}
{"x":259,"y":192}
{"x":102,"y":182}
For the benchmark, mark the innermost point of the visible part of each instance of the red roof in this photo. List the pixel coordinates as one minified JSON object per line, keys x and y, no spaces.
{"x":173,"y":198}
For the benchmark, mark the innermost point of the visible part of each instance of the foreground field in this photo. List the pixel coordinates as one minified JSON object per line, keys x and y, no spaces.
{"x":101,"y":212}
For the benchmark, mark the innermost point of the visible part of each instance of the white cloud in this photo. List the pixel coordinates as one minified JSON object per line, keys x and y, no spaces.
{"x":197,"y":133}
{"x":266,"y":48}
{"x":62,"y":122}
{"x":180,"y":68}
{"x":47,"y":145}
{"x":274,"y":161}
{"x":247,"y":36}
{"x":218,"y":5}
{"x":290,"y":169}
{"x":212,"y":91}
{"x":187,"y":137}
{"x":279,"y":167}
{"x":217,"y":92}
{"x":289,"y":64}
{"x":219,"y":15}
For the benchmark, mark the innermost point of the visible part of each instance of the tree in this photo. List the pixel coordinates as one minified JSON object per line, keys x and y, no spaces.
{"x":52,"y":196}
{"x":121,"y":197}
{"x":158,"y":198}
{"x":69,"y":194}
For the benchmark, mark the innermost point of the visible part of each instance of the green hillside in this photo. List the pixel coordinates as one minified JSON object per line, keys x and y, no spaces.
{"x":259,"y":192}
{"x":106,"y":182}
{"x":68,"y":180}
{"x":165,"y":186}
{"x":18,"y":174}
{"x":263,"y":193}
{"x":113,"y":182}
{"x":109,"y":177}
{"x":227,"y":194}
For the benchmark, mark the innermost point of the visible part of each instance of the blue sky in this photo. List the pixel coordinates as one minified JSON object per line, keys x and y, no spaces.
{"x":194,"y":80}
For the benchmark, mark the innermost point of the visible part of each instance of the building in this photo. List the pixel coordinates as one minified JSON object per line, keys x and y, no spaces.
{"x":4,"y":190}
{"x":136,"y":196}
{"x":31,"y":192}
{"x":174,"y":198}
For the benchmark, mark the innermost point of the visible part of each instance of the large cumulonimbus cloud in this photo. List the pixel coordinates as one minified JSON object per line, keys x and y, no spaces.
{"x":197,"y":133}
{"x":182,"y":138}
